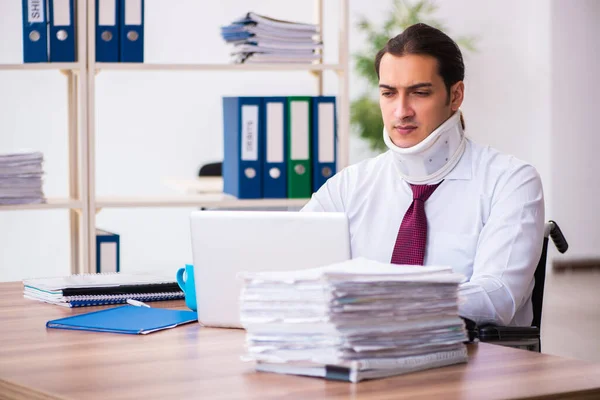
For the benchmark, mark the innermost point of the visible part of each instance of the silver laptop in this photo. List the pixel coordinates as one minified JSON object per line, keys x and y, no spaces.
{"x":227,"y":242}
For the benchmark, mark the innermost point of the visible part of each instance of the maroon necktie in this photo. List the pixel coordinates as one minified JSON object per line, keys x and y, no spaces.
{"x":412,"y":235}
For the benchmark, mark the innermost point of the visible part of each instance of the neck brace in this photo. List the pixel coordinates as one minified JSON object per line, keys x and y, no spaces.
{"x":432,"y":159}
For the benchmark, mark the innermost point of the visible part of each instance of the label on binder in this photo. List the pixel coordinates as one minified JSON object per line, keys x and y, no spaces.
{"x":299,"y":130}
{"x":106,"y":13}
{"x":35,"y":11}
{"x":108,"y":257}
{"x":275,"y":132}
{"x":249,"y":133}
{"x":326,"y":133}
{"x":133,"y":12}
{"x":62,"y":13}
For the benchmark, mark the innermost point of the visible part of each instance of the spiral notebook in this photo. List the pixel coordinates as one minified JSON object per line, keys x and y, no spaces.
{"x":100,"y":289}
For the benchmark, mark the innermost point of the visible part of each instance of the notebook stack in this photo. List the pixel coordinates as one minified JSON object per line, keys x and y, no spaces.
{"x":101,"y":289}
{"x":259,"y":39}
{"x":352,"y":321}
{"x":21,"y":178}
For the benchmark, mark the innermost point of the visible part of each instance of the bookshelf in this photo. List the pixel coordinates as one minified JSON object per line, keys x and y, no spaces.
{"x":204,"y":200}
{"x":51,"y":204}
{"x":216,"y":67}
{"x":77,"y":201}
{"x":83,"y":204}
{"x":43,"y":66}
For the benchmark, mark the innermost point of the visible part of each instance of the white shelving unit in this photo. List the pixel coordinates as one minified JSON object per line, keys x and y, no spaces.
{"x":51,"y":204}
{"x":77,"y":203}
{"x":206,"y":201}
{"x":42,"y":66}
{"x":216,"y":67}
{"x":81,"y":76}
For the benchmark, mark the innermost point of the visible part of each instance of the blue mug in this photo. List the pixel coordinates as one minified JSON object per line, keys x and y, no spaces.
{"x":185,"y":279}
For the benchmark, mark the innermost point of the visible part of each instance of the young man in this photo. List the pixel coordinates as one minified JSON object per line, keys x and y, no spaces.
{"x":435,"y":197}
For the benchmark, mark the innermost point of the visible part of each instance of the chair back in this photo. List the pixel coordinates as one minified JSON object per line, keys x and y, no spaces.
{"x":211,"y":169}
{"x":552,"y":230}
{"x":537,"y":297}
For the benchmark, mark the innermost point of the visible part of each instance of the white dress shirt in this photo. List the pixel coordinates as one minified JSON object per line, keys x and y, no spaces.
{"x":486,"y":220}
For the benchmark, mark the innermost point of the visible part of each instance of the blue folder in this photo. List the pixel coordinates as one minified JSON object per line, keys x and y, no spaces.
{"x":126,"y":319}
{"x":242,"y":158}
{"x":274,"y":138}
{"x":107,"y":30}
{"x":324,"y":148}
{"x":35,"y":31}
{"x":132,"y":31}
{"x":62,"y":30}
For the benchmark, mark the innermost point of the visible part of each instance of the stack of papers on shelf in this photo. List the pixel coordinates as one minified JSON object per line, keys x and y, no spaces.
{"x":259,"y":39}
{"x":21,"y":178}
{"x":101,"y":289}
{"x":355,"y":320}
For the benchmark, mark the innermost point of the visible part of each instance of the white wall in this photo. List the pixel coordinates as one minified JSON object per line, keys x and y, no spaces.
{"x":575,"y":134}
{"x":507,"y":83}
{"x":156,"y":125}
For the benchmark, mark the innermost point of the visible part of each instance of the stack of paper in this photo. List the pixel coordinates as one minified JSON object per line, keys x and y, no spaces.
{"x":259,"y":39}
{"x":21,"y":178}
{"x":354,"y":320}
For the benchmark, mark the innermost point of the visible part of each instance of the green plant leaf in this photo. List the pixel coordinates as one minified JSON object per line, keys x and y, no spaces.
{"x":467,"y":43}
{"x":365,"y":116}
{"x":364,"y":66}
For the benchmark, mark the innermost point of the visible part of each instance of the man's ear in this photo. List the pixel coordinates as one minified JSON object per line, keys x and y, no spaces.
{"x":457,"y":95}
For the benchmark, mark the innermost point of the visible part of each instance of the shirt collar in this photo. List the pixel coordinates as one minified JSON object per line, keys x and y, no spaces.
{"x":463,"y":170}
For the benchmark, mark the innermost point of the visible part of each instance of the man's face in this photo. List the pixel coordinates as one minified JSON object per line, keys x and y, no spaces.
{"x":413,"y":97}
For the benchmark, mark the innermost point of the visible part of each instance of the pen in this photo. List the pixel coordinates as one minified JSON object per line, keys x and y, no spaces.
{"x":137,"y":303}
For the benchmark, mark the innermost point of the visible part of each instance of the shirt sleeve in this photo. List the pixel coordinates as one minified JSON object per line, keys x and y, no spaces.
{"x":508,"y":251}
{"x":332,"y":196}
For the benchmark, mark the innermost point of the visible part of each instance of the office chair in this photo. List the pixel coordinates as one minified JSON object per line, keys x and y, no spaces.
{"x":211,"y":169}
{"x":524,"y":337}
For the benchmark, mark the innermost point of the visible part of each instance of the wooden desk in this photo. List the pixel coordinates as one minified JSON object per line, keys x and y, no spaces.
{"x":201,"y":363}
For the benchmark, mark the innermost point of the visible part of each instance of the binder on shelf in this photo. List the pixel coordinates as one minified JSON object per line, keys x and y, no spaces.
{"x":275,"y":117}
{"x":108,"y":252}
{"x":61,"y":17}
{"x":107,"y":30}
{"x":299,"y":135}
{"x":35,"y":31}
{"x":242,"y":156}
{"x":324,"y":134}
{"x":131,"y":31}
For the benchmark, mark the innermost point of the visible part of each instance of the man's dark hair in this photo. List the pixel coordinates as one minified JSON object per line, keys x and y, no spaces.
{"x":423,"y":39}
